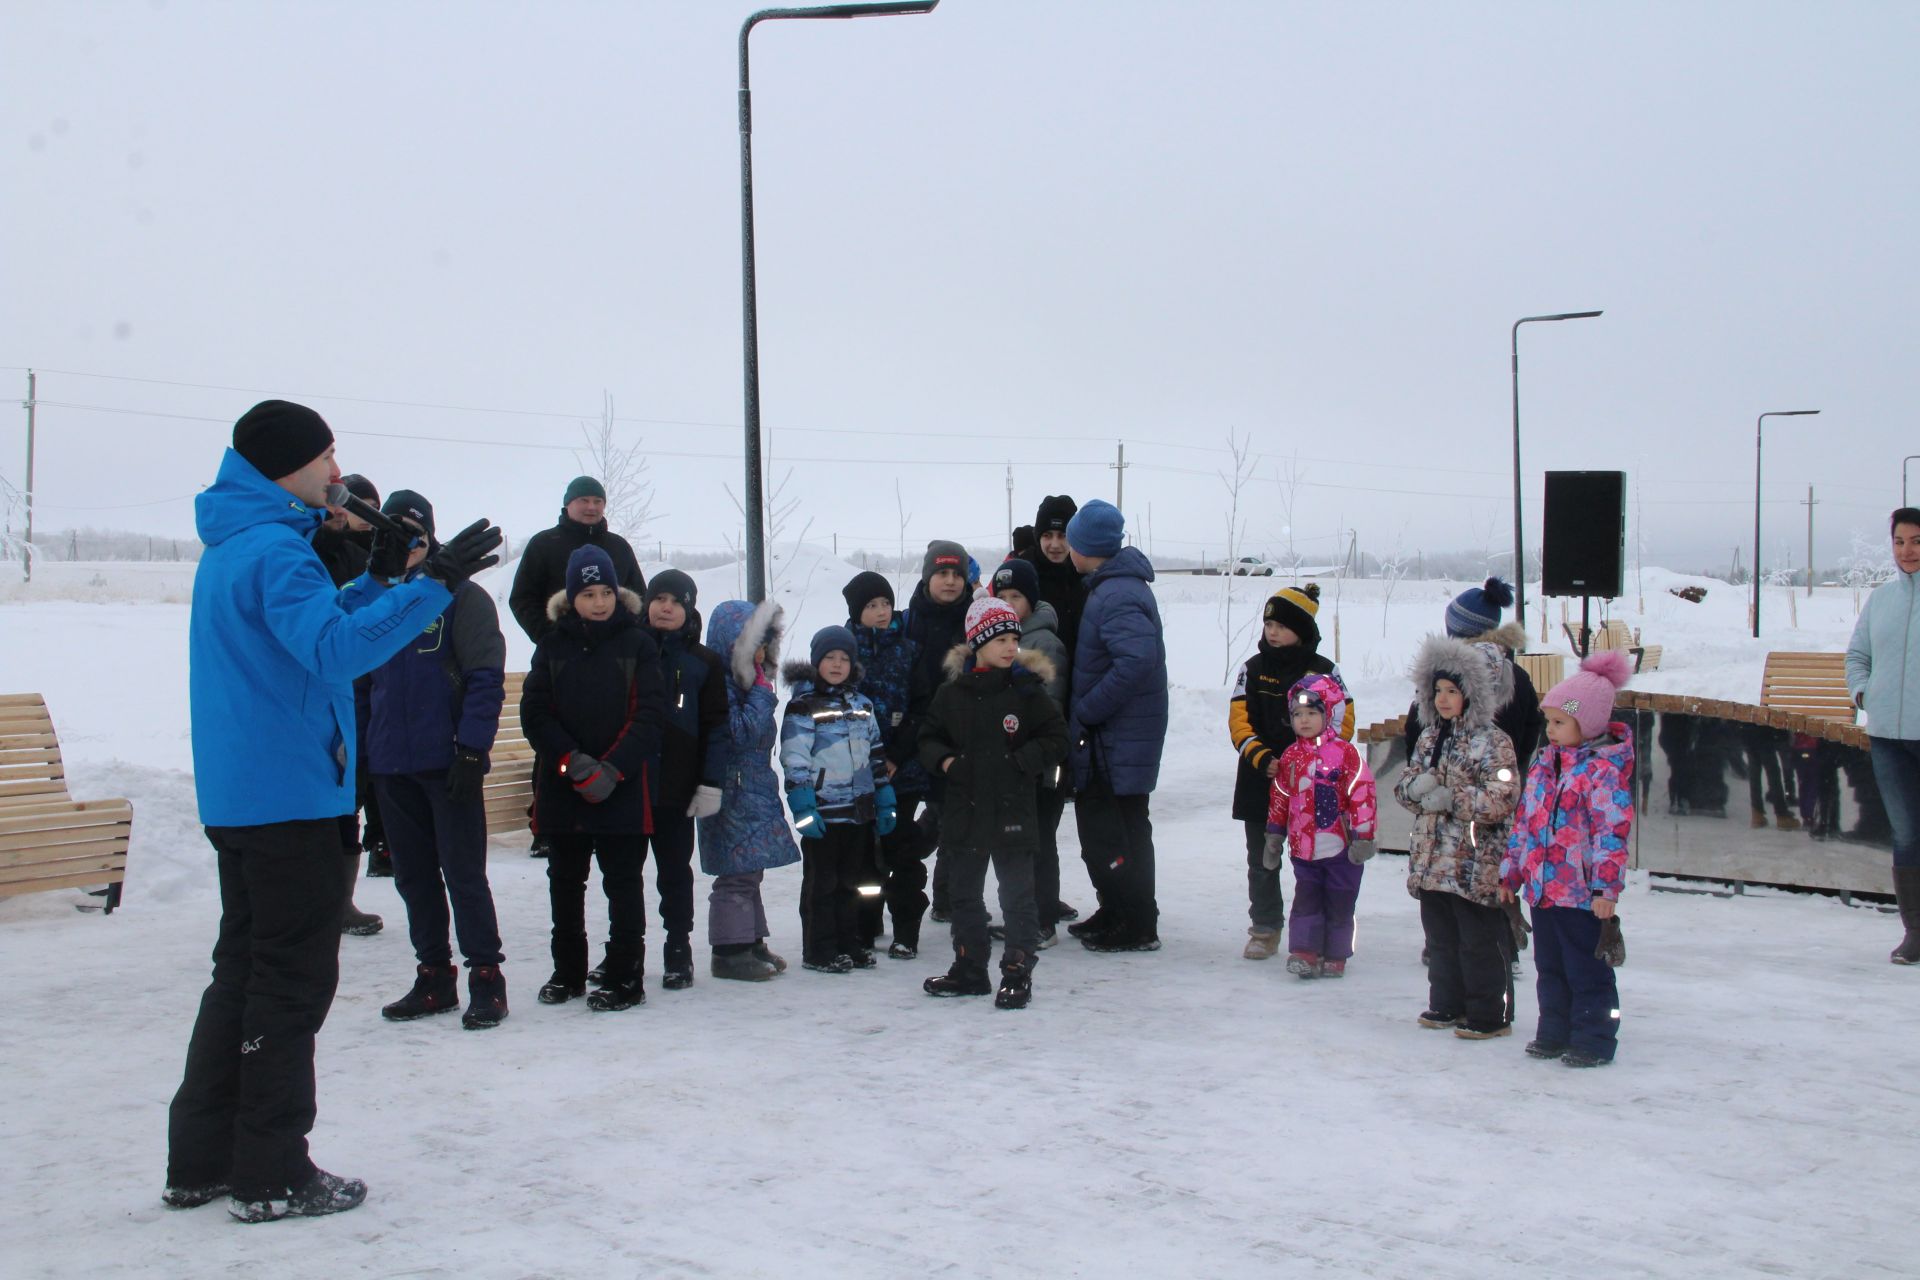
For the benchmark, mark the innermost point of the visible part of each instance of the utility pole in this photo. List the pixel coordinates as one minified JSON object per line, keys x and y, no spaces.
{"x":1810,"y":504}
{"x":1009,"y":504}
{"x":1120,"y":465}
{"x":26,"y":555}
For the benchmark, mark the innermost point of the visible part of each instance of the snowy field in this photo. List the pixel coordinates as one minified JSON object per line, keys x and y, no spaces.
{"x":1185,"y":1113}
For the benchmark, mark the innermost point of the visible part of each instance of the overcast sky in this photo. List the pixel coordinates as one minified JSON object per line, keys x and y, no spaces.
{"x":1009,"y":231}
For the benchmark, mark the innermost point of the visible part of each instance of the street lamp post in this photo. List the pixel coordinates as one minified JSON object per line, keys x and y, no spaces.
{"x":1903,"y":476}
{"x":1519,"y":542}
{"x":755,"y":504}
{"x":1757,"y":424}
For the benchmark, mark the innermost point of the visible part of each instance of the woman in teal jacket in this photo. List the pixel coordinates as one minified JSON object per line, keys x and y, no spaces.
{"x":1883,"y":675}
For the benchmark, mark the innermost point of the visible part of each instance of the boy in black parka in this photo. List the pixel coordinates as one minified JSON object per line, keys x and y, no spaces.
{"x":990,"y":733}
{"x":693,"y":758}
{"x":936,"y":621}
{"x":592,"y":709}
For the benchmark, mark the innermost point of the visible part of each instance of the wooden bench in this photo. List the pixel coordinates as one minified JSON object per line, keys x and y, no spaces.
{"x":49,"y":840}
{"x":1544,"y":669}
{"x":1809,"y":684}
{"x":509,"y":788}
{"x":1615,"y":634}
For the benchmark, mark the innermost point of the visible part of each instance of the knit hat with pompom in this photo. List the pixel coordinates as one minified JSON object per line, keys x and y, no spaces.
{"x":1294,"y":608}
{"x":1476,"y":611}
{"x":1587,"y":694}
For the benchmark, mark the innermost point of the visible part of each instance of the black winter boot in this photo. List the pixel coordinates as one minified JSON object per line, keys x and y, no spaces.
{"x":486,"y":998}
{"x":559,"y":989}
{"x":677,"y":968}
{"x":1016,"y":981}
{"x":1906,"y":891}
{"x":354,"y":921}
{"x":1094,"y":925}
{"x":379,"y":860}
{"x":967,"y":977}
{"x":621,"y":988}
{"x":436,"y":989}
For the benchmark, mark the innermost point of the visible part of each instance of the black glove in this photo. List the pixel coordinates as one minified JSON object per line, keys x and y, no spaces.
{"x":387,"y":557}
{"x":1613,"y":943}
{"x":464,"y":776}
{"x":464,"y":555}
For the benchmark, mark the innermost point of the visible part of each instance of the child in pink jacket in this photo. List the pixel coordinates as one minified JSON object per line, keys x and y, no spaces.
{"x":1321,"y":810}
{"x":1567,"y":855}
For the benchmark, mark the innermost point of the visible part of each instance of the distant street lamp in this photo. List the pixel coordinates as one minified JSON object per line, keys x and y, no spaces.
{"x":1757,"y":424}
{"x":1519,"y":542}
{"x":755,"y":503}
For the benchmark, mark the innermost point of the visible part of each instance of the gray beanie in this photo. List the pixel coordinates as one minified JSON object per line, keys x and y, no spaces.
{"x":942,"y":554}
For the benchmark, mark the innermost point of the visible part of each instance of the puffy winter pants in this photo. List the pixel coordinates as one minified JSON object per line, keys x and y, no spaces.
{"x":1266,"y":900}
{"x":1116,"y":843}
{"x":832,"y":869}
{"x":736,"y":917}
{"x":903,"y":881}
{"x":1896,"y":768}
{"x":439,"y":850}
{"x":1469,"y":951}
{"x":1046,"y":860}
{"x":1324,"y":893}
{"x":622,"y":860}
{"x":1013,"y":869}
{"x":1578,"y":998}
{"x":672,"y":843}
{"x":245,"y":1103}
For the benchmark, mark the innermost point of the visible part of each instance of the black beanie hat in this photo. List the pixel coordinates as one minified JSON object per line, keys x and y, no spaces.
{"x":1017,"y":575}
{"x":362,"y":488}
{"x":1025,"y":539}
{"x":862,"y":590}
{"x":279,"y":437}
{"x":672,"y":582}
{"x":1055,"y":511}
{"x":405,"y":504}
{"x":1293,"y":608}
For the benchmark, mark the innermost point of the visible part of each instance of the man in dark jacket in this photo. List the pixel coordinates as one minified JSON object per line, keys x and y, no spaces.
{"x":543,"y":561}
{"x":1060,"y":583}
{"x":936,"y":621}
{"x":1473,"y":616}
{"x":274,"y":649}
{"x":431,"y":716}
{"x":1117,"y":728}
{"x":693,"y":759}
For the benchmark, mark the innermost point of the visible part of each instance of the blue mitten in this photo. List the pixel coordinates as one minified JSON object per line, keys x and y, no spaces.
{"x":806,"y":813}
{"x":887,"y":810}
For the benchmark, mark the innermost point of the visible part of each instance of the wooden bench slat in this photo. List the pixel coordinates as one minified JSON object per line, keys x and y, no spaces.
{"x":53,"y":854}
{"x":82,"y":880}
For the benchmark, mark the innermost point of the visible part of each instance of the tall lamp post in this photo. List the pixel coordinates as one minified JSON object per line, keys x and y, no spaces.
{"x":1757,"y":424}
{"x":1903,"y":476}
{"x":1519,"y":541}
{"x":755,"y":498}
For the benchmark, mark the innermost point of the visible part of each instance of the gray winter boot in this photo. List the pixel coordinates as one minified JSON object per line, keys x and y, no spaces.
{"x":743,"y":966}
{"x":1906,"y":891}
{"x":359,"y":923}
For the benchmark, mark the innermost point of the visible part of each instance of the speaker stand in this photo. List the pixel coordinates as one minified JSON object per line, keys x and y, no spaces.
{"x":1586,"y":628}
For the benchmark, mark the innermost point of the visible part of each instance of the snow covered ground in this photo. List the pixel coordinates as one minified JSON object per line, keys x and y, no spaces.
{"x":1184,"y":1113}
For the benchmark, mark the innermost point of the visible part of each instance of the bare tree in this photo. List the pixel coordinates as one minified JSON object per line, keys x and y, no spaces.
{"x":906,"y":517}
{"x":1241,"y":448}
{"x":1291,"y":473}
{"x":1392,"y":570}
{"x":622,"y":472}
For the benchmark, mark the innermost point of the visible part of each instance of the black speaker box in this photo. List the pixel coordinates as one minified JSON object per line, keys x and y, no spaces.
{"x":1584,"y":550}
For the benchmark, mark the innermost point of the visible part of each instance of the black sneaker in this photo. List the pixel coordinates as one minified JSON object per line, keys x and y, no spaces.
{"x":192,"y":1196}
{"x":1541,"y":1049}
{"x":436,"y":989}
{"x":1128,"y":940}
{"x":486,"y":998}
{"x":829,"y":964}
{"x":1580,"y":1058}
{"x":940,"y":915}
{"x":862,"y":958}
{"x":1440,"y":1021}
{"x":321,"y":1194}
{"x":540,"y":848}
{"x":960,"y":980}
{"x":559,"y":989}
{"x":379,"y":860}
{"x":1471,"y":1030}
{"x":1061,"y":911}
{"x":903,"y":951}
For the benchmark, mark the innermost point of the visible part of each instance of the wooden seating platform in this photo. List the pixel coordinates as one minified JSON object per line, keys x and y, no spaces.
{"x":49,"y":840}
{"x":1615,"y":634}
{"x":509,"y":787}
{"x":1808,"y":684}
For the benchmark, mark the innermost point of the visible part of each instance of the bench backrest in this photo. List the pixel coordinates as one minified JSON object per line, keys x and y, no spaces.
{"x":30,"y":767}
{"x":509,"y":788}
{"x":1809,"y":684}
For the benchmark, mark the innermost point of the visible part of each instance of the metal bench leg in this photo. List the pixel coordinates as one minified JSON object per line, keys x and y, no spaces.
{"x":113,"y":897}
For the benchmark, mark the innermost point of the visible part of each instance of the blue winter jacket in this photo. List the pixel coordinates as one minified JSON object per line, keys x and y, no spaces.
{"x":888,"y":657}
{"x":829,"y":741}
{"x":750,"y":833}
{"x":1883,"y":659}
{"x":273,"y":648}
{"x":443,"y":689}
{"x":1119,"y":706}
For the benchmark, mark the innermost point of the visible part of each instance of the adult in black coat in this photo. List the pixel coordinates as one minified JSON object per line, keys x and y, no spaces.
{"x":1061,"y":585}
{"x":936,"y":621}
{"x":543,"y":562}
{"x":1520,"y":718}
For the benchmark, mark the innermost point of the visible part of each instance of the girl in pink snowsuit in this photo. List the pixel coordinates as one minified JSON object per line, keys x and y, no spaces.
{"x":1321,"y":810}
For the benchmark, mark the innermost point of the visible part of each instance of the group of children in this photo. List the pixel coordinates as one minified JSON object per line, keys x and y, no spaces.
{"x":1484,"y":834}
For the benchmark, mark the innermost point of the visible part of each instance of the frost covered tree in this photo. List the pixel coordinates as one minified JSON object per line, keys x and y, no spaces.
{"x":622,"y":472}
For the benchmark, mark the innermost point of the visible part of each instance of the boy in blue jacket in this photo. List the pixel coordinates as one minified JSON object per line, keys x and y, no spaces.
{"x":431,"y":715}
{"x":836,"y":782}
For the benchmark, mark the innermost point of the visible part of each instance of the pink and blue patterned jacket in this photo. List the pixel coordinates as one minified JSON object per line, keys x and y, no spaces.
{"x":1569,"y":839}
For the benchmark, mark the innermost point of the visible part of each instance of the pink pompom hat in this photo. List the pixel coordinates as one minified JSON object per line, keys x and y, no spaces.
{"x":1587,"y":694}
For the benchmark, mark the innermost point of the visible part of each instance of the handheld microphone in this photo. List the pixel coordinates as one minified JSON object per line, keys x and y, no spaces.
{"x":338,"y":495}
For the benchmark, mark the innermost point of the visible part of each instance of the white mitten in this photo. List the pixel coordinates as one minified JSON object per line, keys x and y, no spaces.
{"x":706,"y":802}
{"x":1438,"y":800}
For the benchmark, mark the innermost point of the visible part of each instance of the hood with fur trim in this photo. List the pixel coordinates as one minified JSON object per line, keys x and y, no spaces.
{"x":959,"y":661}
{"x":737,"y":628}
{"x":558,"y":606}
{"x":1483,"y":673}
{"x":1510,"y":636}
{"x":798,"y":671}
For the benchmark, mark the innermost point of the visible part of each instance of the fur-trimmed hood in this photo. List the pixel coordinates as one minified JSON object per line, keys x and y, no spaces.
{"x":959,"y":661}
{"x":558,"y":606}
{"x":1510,"y":636}
{"x":737,"y":628}
{"x":1484,"y":677}
{"x":798,"y":671}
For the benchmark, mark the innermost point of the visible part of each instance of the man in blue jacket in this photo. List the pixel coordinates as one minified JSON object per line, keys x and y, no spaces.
{"x":274,"y":648}
{"x":1117,"y":729}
